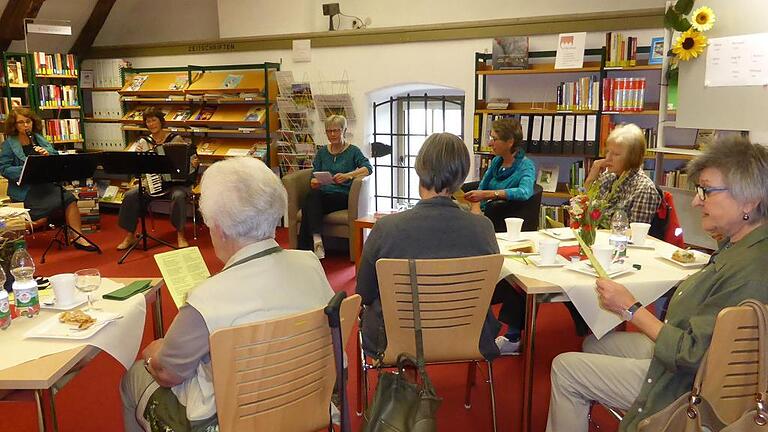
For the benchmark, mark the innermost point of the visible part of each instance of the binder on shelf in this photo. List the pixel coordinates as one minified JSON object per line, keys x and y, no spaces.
{"x":525,"y":125}
{"x":546,"y":134}
{"x":557,"y":135}
{"x":578,"y":139}
{"x":569,"y":132}
{"x":535,"y":144}
{"x":590,"y":143}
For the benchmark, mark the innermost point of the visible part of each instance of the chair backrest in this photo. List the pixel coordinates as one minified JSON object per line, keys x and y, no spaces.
{"x":665,"y":224}
{"x":730,"y":381}
{"x":454,"y":296}
{"x":359,"y":198}
{"x":277,"y":374}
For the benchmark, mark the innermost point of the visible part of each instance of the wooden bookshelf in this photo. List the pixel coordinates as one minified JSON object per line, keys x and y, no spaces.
{"x":221,"y":148}
{"x":56,"y":76}
{"x":231,"y":115}
{"x":104,"y":89}
{"x":47,"y":108}
{"x":102,"y":120}
{"x":543,"y":68}
{"x":155,"y":84}
{"x":252,"y":81}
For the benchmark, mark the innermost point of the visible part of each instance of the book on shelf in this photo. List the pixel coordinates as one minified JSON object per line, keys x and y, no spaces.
{"x":181,"y":115}
{"x":579,"y":95}
{"x":52,"y":96}
{"x":55,"y":64}
{"x":231,"y":81}
{"x":16,"y":102}
{"x":255,"y":114}
{"x":624,"y":94}
{"x":62,"y":130}
{"x":510,"y":53}
{"x":16,"y":73}
{"x":497,"y":103}
{"x":180,"y":83}
{"x":137,"y":82}
{"x":205,"y":113}
{"x":620,"y":51}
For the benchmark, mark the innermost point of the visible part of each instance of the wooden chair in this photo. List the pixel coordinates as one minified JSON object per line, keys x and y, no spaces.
{"x":454,"y":295}
{"x":337,"y":224}
{"x":277,"y":374}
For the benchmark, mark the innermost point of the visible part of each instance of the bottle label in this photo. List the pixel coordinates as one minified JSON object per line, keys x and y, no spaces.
{"x":5,"y":308}
{"x":26,"y":298}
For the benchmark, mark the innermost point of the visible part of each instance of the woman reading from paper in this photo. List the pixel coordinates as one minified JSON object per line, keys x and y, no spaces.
{"x":636,"y":193}
{"x":334,"y":168}
{"x":175,"y":190}
{"x":643,"y":372}
{"x":24,"y":130}
{"x":508,"y":179}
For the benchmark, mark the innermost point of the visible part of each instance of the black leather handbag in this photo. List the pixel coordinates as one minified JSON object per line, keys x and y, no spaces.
{"x":402,"y":403}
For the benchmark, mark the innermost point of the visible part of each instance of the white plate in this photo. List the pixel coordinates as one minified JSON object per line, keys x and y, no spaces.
{"x":646,"y":245}
{"x":559,"y":261}
{"x":79,"y":300}
{"x":53,"y":329}
{"x":614,"y":270}
{"x":503,"y":236}
{"x":559,"y":233}
{"x":701,"y":259}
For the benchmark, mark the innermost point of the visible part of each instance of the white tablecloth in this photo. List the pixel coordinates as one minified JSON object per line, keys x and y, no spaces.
{"x":121,"y":339}
{"x":655,"y":278}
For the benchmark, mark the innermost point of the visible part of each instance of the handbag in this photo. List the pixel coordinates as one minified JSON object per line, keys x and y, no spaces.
{"x":692,"y":413}
{"x":401,"y":404}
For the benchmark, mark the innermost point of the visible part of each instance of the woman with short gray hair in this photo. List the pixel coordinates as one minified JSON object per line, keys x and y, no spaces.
{"x":340,"y":162}
{"x":643,"y":372}
{"x":434,"y":228}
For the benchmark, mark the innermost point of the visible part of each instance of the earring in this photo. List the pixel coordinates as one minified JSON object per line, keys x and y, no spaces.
{"x":745,"y":217}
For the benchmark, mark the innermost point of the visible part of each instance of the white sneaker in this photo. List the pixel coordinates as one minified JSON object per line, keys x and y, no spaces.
{"x":507,"y":347}
{"x":319,"y":250}
{"x":335,"y":415}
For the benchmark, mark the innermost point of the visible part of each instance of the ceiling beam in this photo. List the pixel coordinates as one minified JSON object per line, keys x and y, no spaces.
{"x":12,"y":20}
{"x":92,"y":27}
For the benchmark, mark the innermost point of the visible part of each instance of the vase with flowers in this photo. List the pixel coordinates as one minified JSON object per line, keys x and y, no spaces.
{"x":587,"y":210}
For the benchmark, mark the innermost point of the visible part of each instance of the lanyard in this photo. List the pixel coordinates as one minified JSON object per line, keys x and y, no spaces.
{"x":261,"y":254}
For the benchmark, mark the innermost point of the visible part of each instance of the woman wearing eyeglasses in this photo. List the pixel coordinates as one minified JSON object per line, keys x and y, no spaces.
{"x":643,"y":372}
{"x":24,"y":130}
{"x":344,"y":162}
{"x":624,"y":156}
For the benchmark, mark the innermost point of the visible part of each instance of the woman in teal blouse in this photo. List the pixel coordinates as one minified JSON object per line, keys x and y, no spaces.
{"x":24,"y":130}
{"x":509,"y":178}
{"x":344,"y":162}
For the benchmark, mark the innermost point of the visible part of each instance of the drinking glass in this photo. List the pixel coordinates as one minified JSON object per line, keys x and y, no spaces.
{"x":87,"y":281}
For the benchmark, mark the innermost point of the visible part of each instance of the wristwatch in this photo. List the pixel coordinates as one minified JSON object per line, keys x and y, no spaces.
{"x":495,"y":194}
{"x":629,"y":313}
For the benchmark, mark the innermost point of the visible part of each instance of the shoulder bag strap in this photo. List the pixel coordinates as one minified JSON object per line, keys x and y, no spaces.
{"x":417,"y":325}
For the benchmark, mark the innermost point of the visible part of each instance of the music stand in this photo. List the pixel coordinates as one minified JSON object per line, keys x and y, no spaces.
{"x":58,"y":169}
{"x":138,"y":164}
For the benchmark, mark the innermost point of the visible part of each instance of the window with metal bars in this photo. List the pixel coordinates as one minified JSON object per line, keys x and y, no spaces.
{"x":401,"y":124}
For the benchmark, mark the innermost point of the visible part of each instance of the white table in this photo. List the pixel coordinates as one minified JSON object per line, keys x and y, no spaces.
{"x":545,"y":284}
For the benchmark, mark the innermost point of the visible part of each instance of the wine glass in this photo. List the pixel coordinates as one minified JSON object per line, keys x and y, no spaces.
{"x":87,"y":281}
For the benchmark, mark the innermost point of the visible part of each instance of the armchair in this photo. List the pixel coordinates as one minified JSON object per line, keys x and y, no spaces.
{"x":336,"y":224}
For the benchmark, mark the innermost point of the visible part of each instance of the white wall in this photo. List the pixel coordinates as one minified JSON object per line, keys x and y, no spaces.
{"x":270,"y":17}
{"x":76,"y":11}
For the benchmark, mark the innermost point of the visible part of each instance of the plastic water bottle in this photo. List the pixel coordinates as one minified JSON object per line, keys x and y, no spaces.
{"x":24,"y":285}
{"x":619,"y":230}
{"x":5,"y":306}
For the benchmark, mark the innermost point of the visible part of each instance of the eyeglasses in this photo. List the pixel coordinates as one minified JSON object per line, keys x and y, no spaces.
{"x":702,"y":192}
{"x":332,"y":131}
{"x":23,"y":122}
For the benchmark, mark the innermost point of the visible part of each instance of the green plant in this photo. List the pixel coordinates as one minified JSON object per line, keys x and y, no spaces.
{"x":676,"y":16}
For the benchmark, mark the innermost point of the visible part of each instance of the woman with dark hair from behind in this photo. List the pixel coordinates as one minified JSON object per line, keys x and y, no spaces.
{"x":434,"y":228}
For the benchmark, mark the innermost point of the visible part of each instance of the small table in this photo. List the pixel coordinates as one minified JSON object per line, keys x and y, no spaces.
{"x":46,"y":372}
{"x":360,"y":225}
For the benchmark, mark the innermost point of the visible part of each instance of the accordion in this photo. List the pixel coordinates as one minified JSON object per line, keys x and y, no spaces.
{"x":179,"y":154}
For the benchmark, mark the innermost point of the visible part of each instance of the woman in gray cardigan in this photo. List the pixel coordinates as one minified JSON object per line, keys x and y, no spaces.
{"x":435,"y":228}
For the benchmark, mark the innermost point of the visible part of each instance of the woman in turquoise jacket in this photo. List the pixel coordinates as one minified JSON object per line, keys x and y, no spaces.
{"x":509,"y":178}
{"x":23,"y":129}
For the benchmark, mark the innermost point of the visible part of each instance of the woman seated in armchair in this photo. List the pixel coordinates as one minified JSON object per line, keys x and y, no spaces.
{"x":510,"y":177}
{"x":643,"y":372}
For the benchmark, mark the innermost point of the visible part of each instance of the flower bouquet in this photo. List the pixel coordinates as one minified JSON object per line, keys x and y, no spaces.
{"x":587,"y":210}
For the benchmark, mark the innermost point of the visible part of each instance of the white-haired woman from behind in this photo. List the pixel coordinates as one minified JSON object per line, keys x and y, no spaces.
{"x":242,"y":202}
{"x":637,"y":194}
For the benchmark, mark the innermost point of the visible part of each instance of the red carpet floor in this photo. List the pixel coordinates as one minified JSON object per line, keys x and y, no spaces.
{"x":91,"y":401}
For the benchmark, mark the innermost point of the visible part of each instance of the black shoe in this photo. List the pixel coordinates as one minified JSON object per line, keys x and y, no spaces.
{"x":87,"y":248}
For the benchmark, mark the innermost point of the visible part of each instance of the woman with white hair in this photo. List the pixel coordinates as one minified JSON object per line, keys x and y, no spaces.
{"x":242,"y":202}
{"x":636,"y":194}
{"x":344,"y":162}
{"x":643,"y":372}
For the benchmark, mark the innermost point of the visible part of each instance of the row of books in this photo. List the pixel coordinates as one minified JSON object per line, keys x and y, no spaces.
{"x":574,"y":134}
{"x":254,"y":114}
{"x":105,"y":105}
{"x":52,"y":96}
{"x":55,"y":64}
{"x":62,"y":130}
{"x":623,"y":94}
{"x":106,"y":73}
{"x":104,"y":136}
{"x":578,"y":95}
{"x":556,"y":213}
{"x":577,"y":174}
{"x":620,"y":51}
{"x":676,"y":179}
{"x":88,"y":206}
{"x":650,"y":134}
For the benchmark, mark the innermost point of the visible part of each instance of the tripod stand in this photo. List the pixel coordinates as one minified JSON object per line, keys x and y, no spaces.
{"x":138,"y":164}
{"x":57,"y":169}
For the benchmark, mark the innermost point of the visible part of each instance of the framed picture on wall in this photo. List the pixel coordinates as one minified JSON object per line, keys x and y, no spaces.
{"x":547,"y":177}
{"x":656,"y":53}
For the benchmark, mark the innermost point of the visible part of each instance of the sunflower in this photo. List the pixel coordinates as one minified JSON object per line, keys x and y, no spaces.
{"x":689,"y":45}
{"x":703,"y":19}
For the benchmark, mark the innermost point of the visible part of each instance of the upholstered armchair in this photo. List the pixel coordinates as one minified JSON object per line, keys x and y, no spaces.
{"x":336,"y":224}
